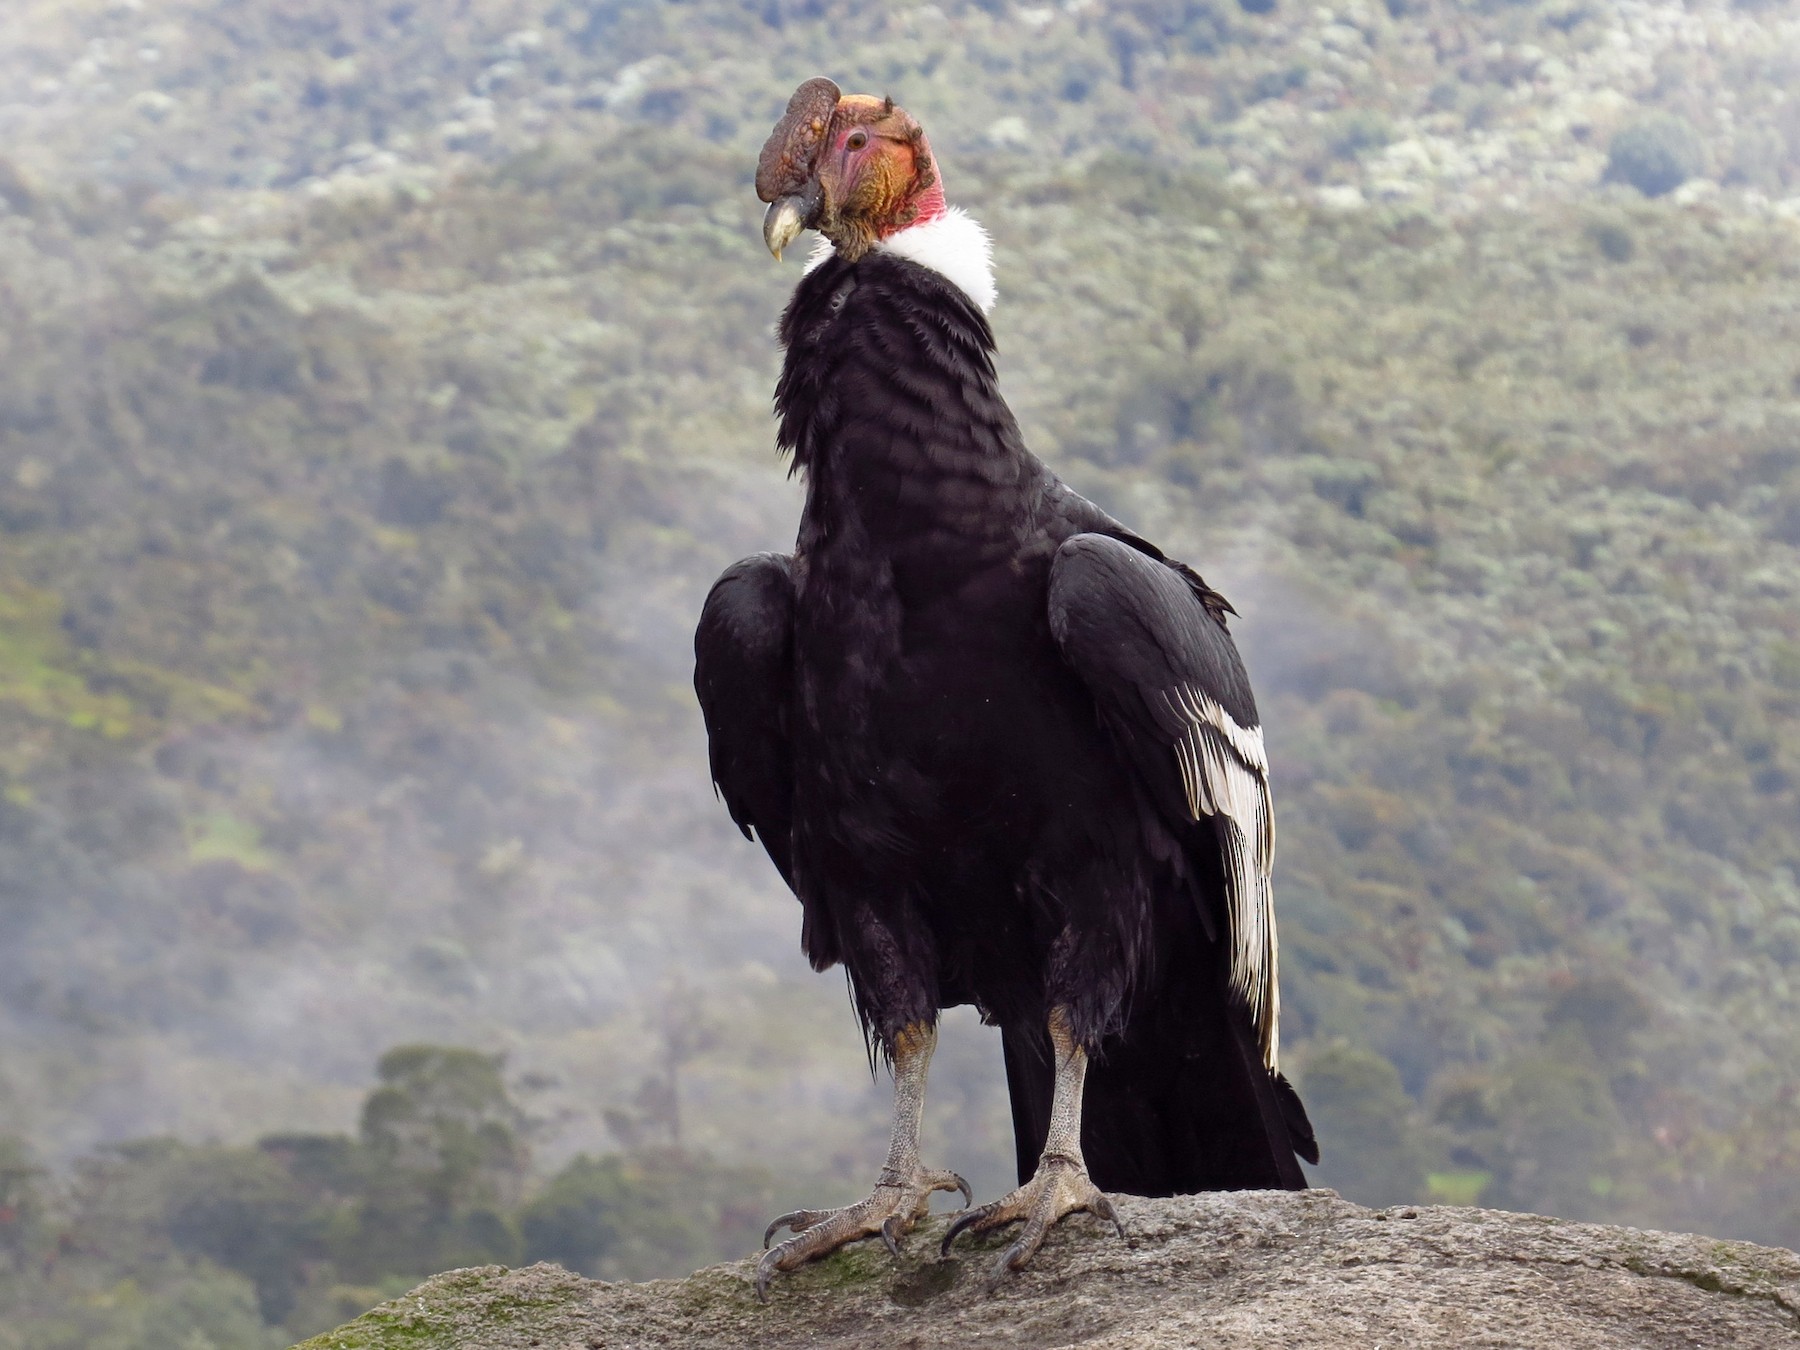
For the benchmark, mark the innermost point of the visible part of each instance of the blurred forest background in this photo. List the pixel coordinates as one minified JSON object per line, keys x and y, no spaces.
{"x":382,"y":382}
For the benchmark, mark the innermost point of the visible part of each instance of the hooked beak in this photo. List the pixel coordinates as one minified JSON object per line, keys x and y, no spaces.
{"x":788,"y":216}
{"x":783,"y":224}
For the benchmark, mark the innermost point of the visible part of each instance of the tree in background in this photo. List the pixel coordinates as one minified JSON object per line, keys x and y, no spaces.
{"x":1542,"y":1130}
{"x":1558,"y":1126}
{"x":161,"y":1243}
{"x":645,"y":1213}
{"x":447,"y":1164}
{"x":1558,"y":1107}
{"x":122,"y":1257}
{"x":1364,"y":1118}
{"x":684,"y":1031}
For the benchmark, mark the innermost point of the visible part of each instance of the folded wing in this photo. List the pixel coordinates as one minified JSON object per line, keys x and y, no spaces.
{"x":1149,"y":640}
{"x":743,"y":674}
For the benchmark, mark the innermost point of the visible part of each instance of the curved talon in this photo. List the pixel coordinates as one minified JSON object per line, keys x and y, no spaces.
{"x":889,"y":1237}
{"x":765,"y":1271}
{"x":785,"y":1221}
{"x":1104,"y":1209}
{"x":963,"y":1222}
{"x":1009,"y":1263}
{"x":967,"y":1194}
{"x":950,"y":1181}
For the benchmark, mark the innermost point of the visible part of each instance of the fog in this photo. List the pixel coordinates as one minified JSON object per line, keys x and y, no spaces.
{"x":383,"y":386}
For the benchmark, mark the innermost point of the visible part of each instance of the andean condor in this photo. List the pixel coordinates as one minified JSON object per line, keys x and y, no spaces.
{"x":1001,"y":748}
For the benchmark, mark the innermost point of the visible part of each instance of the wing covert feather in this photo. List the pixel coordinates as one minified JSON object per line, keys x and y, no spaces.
{"x":1172,"y":689}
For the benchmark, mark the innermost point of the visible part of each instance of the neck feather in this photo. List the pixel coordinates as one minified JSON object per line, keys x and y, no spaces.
{"x":952,"y":244}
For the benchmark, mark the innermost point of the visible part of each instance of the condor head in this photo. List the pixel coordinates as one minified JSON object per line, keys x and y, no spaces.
{"x":853,"y":167}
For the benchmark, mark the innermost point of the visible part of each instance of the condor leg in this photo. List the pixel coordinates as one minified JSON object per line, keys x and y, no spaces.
{"x":1060,"y":1186}
{"x":902,"y":1194}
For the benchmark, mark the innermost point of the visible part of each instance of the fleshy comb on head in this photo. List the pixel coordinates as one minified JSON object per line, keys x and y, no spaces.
{"x":788,"y":156}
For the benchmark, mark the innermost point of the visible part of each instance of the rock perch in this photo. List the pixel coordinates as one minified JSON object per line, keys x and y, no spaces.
{"x":1222,"y":1270}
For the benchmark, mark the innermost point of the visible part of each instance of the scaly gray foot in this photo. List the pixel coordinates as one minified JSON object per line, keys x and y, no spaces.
{"x":890,"y":1214}
{"x":1061,"y":1187}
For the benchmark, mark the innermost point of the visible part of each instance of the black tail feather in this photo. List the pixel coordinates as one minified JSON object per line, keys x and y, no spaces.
{"x":1181,"y":1103}
{"x":1299,"y":1128}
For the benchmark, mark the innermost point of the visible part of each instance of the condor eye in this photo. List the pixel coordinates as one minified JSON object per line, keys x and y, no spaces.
{"x":856,"y":140}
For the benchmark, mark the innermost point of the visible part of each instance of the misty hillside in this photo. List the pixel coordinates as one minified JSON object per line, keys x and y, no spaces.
{"x":384,"y":383}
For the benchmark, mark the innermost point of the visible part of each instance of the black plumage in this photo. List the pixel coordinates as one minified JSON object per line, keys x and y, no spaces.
{"x":1002,"y":749}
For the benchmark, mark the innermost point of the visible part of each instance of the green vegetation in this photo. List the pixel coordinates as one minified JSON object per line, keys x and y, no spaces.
{"x":374,"y":414}
{"x":158,"y":1242}
{"x":643,"y":1214}
{"x":1356,"y":1095}
{"x":1656,"y":155}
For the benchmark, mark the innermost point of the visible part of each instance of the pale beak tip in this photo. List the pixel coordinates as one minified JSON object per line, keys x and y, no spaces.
{"x":783,"y":225}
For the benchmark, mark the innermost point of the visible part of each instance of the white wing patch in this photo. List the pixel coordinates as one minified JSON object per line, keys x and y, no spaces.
{"x":1226,"y":773}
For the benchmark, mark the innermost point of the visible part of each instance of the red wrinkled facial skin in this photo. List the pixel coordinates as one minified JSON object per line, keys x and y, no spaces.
{"x":873,"y":191}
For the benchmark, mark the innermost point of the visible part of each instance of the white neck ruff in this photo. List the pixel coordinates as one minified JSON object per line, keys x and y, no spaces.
{"x":954,"y":245}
